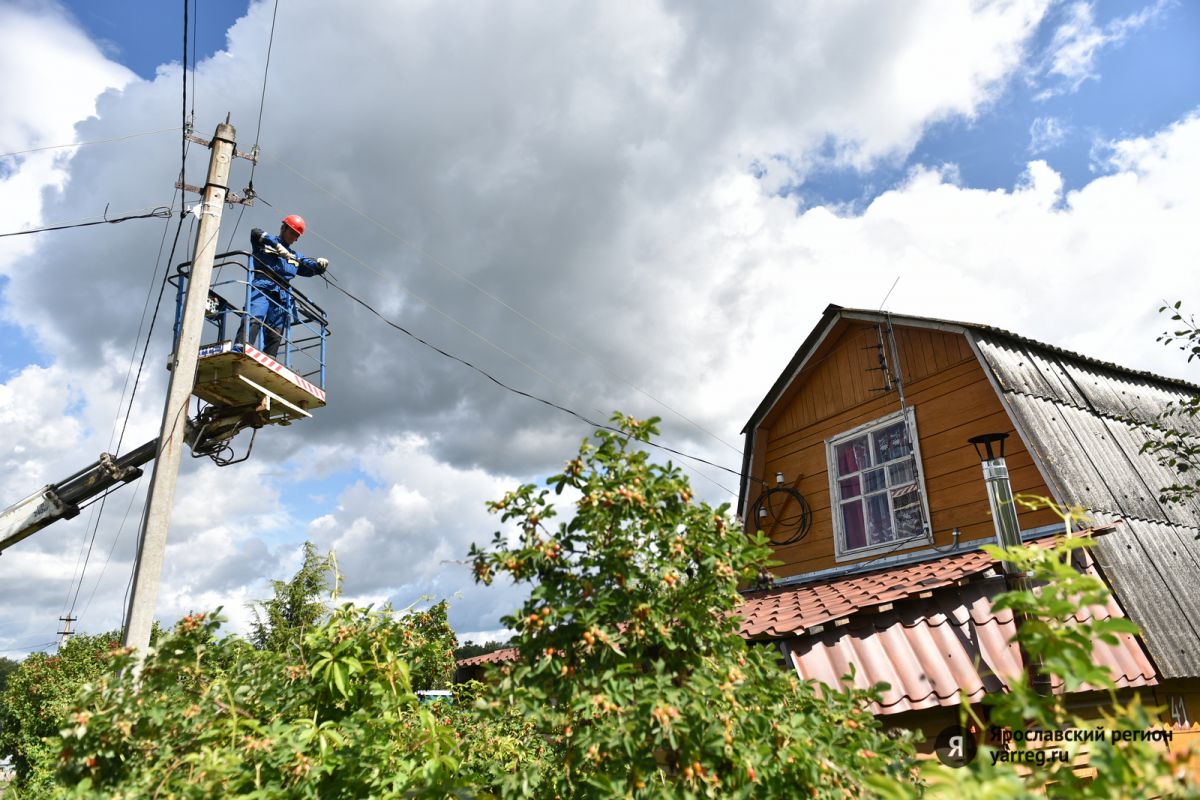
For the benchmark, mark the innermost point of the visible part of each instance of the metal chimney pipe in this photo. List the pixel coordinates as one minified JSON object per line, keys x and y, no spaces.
{"x":990,"y":449}
{"x":999,"y":490}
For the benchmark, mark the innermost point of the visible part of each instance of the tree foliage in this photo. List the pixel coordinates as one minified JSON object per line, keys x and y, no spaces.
{"x":1175,"y":433}
{"x":8,"y":666}
{"x":298,"y":604}
{"x":334,"y":716}
{"x":38,"y":694}
{"x":632,"y":681}
{"x":630,"y":659}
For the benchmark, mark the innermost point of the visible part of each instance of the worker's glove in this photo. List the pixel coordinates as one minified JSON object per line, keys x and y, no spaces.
{"x":322,"y":265}
{"x":256,"y":237}
{"x":276,"y":249}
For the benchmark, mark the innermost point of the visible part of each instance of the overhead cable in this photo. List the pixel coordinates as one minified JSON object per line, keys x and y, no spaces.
{"x":162,"y":212}
{"x":531,"y":396}
{"x":184,"y":142}
{"x":262,"y":101}
{"x":81,"y":144}
{"x":28,"y":648}
{"x":570,"y":392}
{"x":453,"y":319}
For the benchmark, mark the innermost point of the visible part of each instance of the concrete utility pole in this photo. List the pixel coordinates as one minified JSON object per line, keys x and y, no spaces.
{"x":161,"y":495}
{"x":66,"y":632}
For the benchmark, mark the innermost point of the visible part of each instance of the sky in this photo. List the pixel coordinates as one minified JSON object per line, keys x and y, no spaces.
{"x":641,"y":207}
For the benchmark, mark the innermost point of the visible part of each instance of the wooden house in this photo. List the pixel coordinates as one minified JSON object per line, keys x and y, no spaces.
{"x":857,"y":465}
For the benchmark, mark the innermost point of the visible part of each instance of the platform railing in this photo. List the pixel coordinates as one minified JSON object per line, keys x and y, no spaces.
{"x":302,"y":342}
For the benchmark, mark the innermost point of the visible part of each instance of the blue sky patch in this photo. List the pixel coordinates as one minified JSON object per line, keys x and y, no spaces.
{"x":1134,"y":88}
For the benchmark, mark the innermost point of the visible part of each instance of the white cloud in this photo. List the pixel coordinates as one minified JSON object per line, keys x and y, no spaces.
{"x":1046,"y":133}
{"x":1078,"y":42}
{"x":54,"y":74}
{"x":588,"y":164}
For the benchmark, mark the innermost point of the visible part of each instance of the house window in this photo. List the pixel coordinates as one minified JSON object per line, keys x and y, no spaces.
{"x":876,"y":486}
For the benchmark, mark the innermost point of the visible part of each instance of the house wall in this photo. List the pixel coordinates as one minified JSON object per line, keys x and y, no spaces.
{"x":952,"y":400}
{"x":1185,"y":731}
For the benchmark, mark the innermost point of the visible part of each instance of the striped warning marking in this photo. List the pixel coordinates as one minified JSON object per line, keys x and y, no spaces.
{"x":283,"y":372}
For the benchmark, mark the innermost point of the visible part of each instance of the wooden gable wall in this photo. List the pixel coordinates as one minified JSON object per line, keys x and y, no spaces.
{"x":952,"y":400}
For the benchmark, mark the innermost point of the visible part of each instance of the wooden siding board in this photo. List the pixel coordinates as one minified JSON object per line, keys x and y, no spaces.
{"x":949,"y":383}
{"x":952,"y":402}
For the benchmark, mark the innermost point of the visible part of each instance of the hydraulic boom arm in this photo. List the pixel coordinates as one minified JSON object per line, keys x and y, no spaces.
{"x":61,"y":500}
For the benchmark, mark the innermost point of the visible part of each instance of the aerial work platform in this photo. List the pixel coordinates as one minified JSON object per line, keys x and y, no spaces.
{"x":236,"y":374}
{"x":241,"y":385}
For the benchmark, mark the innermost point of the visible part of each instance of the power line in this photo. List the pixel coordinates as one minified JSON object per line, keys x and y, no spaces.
{"x":29,"y":647}
{"x":160,"y":212}
{"x":108,"y":558}
{"x":437,"y":262}
{"x":81,"y":144}
{"x":166,"y":272}
{"x":262,"y":100}
{"x":531,"y":396}
{"x":457,"y":322}
{"x":570,"y":392}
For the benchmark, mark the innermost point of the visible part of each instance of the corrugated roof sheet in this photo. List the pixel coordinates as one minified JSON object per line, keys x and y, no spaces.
{"x":927,"y":651}
{"x":1083,"y":420}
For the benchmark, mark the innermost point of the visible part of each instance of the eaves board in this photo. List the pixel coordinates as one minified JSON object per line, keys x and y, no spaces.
{"x":1152,"y":568}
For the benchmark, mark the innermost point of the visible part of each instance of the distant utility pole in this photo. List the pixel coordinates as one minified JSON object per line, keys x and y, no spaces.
{"x":160,"y":499}
{"x":66,"y":632}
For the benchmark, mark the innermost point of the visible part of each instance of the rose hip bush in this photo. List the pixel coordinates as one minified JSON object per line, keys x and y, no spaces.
{"x":630,"y":659}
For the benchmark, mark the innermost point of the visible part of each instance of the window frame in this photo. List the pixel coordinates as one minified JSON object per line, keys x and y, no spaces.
{"x":841,"y":553}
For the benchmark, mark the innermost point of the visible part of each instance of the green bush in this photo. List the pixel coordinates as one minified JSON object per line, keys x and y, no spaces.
{"x":37,"y":697}
{"x":631,"y":682}
{"x":630,"y":660}
{"x":211,"y":717}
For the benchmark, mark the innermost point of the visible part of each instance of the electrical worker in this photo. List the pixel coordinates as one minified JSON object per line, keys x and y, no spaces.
{"x":275,"y":264}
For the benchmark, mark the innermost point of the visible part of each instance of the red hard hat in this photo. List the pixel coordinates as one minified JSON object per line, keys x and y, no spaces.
{"x":295,"y":222}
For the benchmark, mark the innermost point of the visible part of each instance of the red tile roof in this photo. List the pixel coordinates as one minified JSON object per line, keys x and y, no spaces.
{"x":928,"y":650}
{"x":790,"y":610}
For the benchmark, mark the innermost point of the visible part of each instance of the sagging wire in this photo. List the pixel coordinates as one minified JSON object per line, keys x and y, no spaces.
{"x":161,"y":212}
{"x":529,"y":395}
{"x":82,"y":144}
